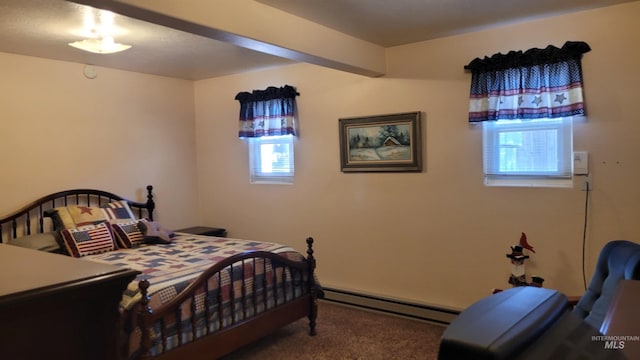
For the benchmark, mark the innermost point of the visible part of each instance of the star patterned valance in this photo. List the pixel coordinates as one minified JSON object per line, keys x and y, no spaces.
{"x":537,"y":83}
{"x":269,"y":112}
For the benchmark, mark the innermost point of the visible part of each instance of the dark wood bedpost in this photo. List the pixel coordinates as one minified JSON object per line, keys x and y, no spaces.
{"x":151,"y":205}
{"x":144,"y":320}
{"x":313,"y":311}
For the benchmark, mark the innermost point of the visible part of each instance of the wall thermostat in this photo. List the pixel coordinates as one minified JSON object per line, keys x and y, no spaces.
{"x":580,"y":162}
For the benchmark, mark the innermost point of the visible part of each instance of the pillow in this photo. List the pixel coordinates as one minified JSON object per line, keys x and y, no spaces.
{"x":43,"y":242}
{"x":154,"y":233}
{"x":74,"y":216}
{"x":118,"y":210}
{"x":87,"y":240}
{"x":61,"y":218}
{"x":127,"y":234}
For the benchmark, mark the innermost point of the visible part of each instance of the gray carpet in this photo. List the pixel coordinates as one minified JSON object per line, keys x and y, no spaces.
{"x":348,"y":333}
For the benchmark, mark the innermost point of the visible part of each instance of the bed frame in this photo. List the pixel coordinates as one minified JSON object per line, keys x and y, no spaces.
{"x":33,"y":219}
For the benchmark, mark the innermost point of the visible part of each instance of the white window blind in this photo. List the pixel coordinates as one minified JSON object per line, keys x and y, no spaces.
{"x":271,"y":159}
{"x":535,"y":152}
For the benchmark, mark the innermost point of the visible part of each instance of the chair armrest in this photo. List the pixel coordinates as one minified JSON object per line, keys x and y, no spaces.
{"x":571,"y":300}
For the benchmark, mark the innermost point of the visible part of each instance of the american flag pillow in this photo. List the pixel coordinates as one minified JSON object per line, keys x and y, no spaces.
{"x":118,"y":210}
{"x":127,"y":234}
{"x":75,"y":216}
{"x":87,"y":240}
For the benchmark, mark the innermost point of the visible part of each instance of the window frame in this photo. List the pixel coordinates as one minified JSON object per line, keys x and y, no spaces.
{"x":491,"y":147}
{"x":256,"y":173}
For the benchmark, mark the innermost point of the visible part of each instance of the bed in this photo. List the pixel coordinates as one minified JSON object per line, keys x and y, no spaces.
{"x":195,"y":297}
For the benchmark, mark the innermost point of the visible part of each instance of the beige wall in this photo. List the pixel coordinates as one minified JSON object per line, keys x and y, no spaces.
{"x":118,"y":132}
{"x":436,"y":237}
{"x":439,"y":236}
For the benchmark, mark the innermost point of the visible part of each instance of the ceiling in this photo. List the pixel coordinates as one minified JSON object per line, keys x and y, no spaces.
{"x":43,"y":28}
{"x":397,"y":22}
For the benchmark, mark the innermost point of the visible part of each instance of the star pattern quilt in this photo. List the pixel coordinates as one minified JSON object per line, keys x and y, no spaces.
{"x":235,"y":294}
{"x":176,"y":264}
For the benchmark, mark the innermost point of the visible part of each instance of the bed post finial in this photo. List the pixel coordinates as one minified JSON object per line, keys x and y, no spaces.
{"x":151,"y":205}
{"x":144,"y":320}
{"x":313,"y":288}
{"x":310,"y":258}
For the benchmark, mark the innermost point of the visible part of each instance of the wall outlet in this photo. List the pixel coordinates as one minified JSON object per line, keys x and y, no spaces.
{"x":586,"y":182}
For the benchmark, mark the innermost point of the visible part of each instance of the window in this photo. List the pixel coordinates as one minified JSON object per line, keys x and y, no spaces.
{"x":271,"y":159}
{"x":527,"y":101}
{"x":535,"y":152}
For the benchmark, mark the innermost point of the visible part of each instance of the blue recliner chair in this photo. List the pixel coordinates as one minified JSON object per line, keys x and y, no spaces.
{"x":619,"y":260}
{"x":533,"y":323}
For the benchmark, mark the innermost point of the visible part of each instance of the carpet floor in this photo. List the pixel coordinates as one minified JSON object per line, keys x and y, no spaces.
{"x":348,"y":333}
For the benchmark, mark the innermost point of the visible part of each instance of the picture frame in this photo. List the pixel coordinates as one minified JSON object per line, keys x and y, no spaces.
{"x":381,"y":143}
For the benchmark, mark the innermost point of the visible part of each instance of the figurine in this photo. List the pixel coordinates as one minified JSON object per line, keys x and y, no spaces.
{"x":518,"y":275}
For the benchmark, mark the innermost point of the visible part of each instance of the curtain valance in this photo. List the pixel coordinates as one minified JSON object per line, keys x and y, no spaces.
{"x":269,"y":112}
{"x":537,"y":83}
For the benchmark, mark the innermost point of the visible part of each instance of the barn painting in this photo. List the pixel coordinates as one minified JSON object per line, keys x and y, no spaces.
{"x":383,"y":143}
{"x":380,"y":143}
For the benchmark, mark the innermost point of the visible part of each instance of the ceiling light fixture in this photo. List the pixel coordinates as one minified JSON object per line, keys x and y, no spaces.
{"x":105,"y":45}
{"x":99,"y":29}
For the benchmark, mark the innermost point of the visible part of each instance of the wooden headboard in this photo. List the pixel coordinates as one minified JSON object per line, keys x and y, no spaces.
{"x":32,"y":218}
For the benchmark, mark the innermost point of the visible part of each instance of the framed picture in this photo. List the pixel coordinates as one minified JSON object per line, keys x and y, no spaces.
{"x":381,"y":143}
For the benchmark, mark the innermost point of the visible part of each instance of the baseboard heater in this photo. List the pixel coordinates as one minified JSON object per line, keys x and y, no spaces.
{"x":396,"y":307}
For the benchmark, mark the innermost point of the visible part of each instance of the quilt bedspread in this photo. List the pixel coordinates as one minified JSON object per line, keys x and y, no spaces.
{"x":169,"y":268}
{"x":232,"y":296}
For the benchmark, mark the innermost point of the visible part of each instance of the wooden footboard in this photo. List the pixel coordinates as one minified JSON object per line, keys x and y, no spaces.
{"x":237,"y":301}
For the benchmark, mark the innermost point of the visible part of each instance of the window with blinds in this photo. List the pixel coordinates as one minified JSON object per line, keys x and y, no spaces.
{"x":535,"y":152}
{"x":271,"y":159}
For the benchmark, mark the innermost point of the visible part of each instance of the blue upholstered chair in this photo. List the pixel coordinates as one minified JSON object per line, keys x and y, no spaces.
{"x":535,"y":323}
{"x":619,"y":260}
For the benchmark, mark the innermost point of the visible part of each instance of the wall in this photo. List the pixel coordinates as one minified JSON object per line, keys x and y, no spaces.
{"x":439,"y":236}
{"x":118,"y":132}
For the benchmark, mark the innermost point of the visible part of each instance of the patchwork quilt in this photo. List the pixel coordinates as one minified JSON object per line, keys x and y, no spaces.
{"x":169,"y":268}
{"x":235,"y":294}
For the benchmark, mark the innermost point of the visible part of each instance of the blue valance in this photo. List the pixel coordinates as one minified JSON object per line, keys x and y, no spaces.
{"x":537,"y":83}
{"x":269,"y":112}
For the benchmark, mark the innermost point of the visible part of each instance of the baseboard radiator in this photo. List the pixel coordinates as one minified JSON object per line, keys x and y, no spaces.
{"x":391,"y":306}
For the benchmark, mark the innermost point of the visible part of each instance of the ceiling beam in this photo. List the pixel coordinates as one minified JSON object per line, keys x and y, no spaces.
{"x":258,"y":27}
